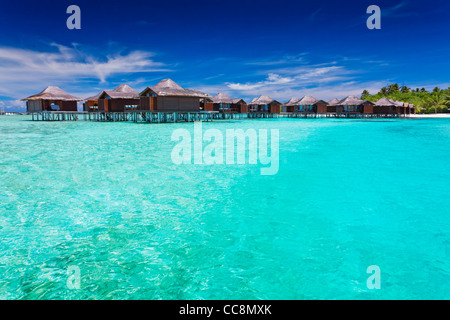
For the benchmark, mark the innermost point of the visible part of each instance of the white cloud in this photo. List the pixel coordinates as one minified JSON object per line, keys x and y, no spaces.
{"x":286,"y":59}
{"x":284,"y":82}
{"x":323,"y":80}
{"x":12,"y":106}
{"x":244,"y":87}
{"x":25,"y":72}
{"x":272,"y":79}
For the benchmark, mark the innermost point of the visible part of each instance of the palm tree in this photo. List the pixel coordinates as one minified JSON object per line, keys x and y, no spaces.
{"x":437,"y":99}
{"x":393,"y":88}
{"x":446,"y":100}
{"x":383,"y":91}
{"x":405,"y":89}
{"x":365,"y":93}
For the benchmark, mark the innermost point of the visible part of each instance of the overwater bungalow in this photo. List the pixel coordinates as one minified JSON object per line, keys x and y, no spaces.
{"x":169,"y":96}
{"x":291,"y":105}
{"x":401,"y":107}
{"x":206,"y":104}
{"x":309,"y":104}
{"x":331,"y":107}
{"x":354,"y":105}
{"x":223,"y":103}
{"x":264,"y":103}
{"x":385,"y":106}
{"x":240,"y":105}
{"x":251,"y":106}
{"x":123,"y":98}
{"x":91,"y":104}
{"x":51,"y":99}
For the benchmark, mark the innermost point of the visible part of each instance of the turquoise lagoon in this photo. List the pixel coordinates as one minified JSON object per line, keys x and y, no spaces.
{"x":106,"y":197}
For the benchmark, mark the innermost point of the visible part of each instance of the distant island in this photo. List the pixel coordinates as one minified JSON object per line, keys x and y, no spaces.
{"x":436,"y":101}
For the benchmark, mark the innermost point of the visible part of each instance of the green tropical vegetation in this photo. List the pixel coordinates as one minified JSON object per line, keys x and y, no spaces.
{"x":436,"y":101}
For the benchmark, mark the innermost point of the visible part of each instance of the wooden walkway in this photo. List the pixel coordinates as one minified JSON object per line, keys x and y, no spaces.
{"x":135,"y":116}
{"x":172,"y":117}
{"x":55,"y":116}
{"x":304,"y":115}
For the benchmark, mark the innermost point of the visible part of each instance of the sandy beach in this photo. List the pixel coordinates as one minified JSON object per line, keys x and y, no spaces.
{"x":430,"y":116}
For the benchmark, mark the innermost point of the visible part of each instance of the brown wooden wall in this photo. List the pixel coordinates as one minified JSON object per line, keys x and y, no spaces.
{"x":69,"y":106}
{"x":234,"y":108}
{"x":384,"y":110}
{"x":216,"y":107}
{"x":45,"y":105}
{"x":148,"y":103}
{"x":116,"y":105}
{"x":321,"y":108}
{"x":331,"y":109}
{"x":243,"y":108}
{"x":102,"y":105}
{"x":340,"y":109}
{"x":208,"y":106}
{"x":88,"y":105}
{"x":34,"y":105}
{"x":274,"y":108}
{"x":368,"y":109}
{"x":178,"y":104}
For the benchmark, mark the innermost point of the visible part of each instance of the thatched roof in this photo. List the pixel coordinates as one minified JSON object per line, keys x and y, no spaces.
{"x":168,"y":87}
{"x":222,"y":98}
{"x":253,"y":100}
{"x":53,"y":93}
{"x":124,"y":88}
{"x":207,"y":99}
{"x":351,"y":101}
{"x":197,"y":93}
{"x":263,"y":100}
{"x":123,"y":91}
{"x":333,"y":102}
{"x":384,"y":102}
{"x":307,"y":101}
{"x":399,"y":103}
{"x":93,"y":98}
{"x":236,"y":101}
{"x":292,"y":103}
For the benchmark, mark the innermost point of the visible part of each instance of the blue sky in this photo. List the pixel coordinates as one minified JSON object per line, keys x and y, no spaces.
{"x":244,"y":48}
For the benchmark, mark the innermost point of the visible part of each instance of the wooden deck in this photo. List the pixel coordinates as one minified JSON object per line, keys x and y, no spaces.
{"x":304,"y":115}
{"x":172,"y":117}
{"x":135,"y":116}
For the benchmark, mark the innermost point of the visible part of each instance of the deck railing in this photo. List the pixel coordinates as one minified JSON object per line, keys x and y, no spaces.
{"x":139,"y":116}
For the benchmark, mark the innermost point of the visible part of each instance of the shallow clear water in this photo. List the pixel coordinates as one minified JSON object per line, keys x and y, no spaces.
{"x":107,"y":198}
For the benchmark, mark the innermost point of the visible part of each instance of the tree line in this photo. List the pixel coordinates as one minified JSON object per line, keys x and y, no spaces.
{"x":436,"y":101}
